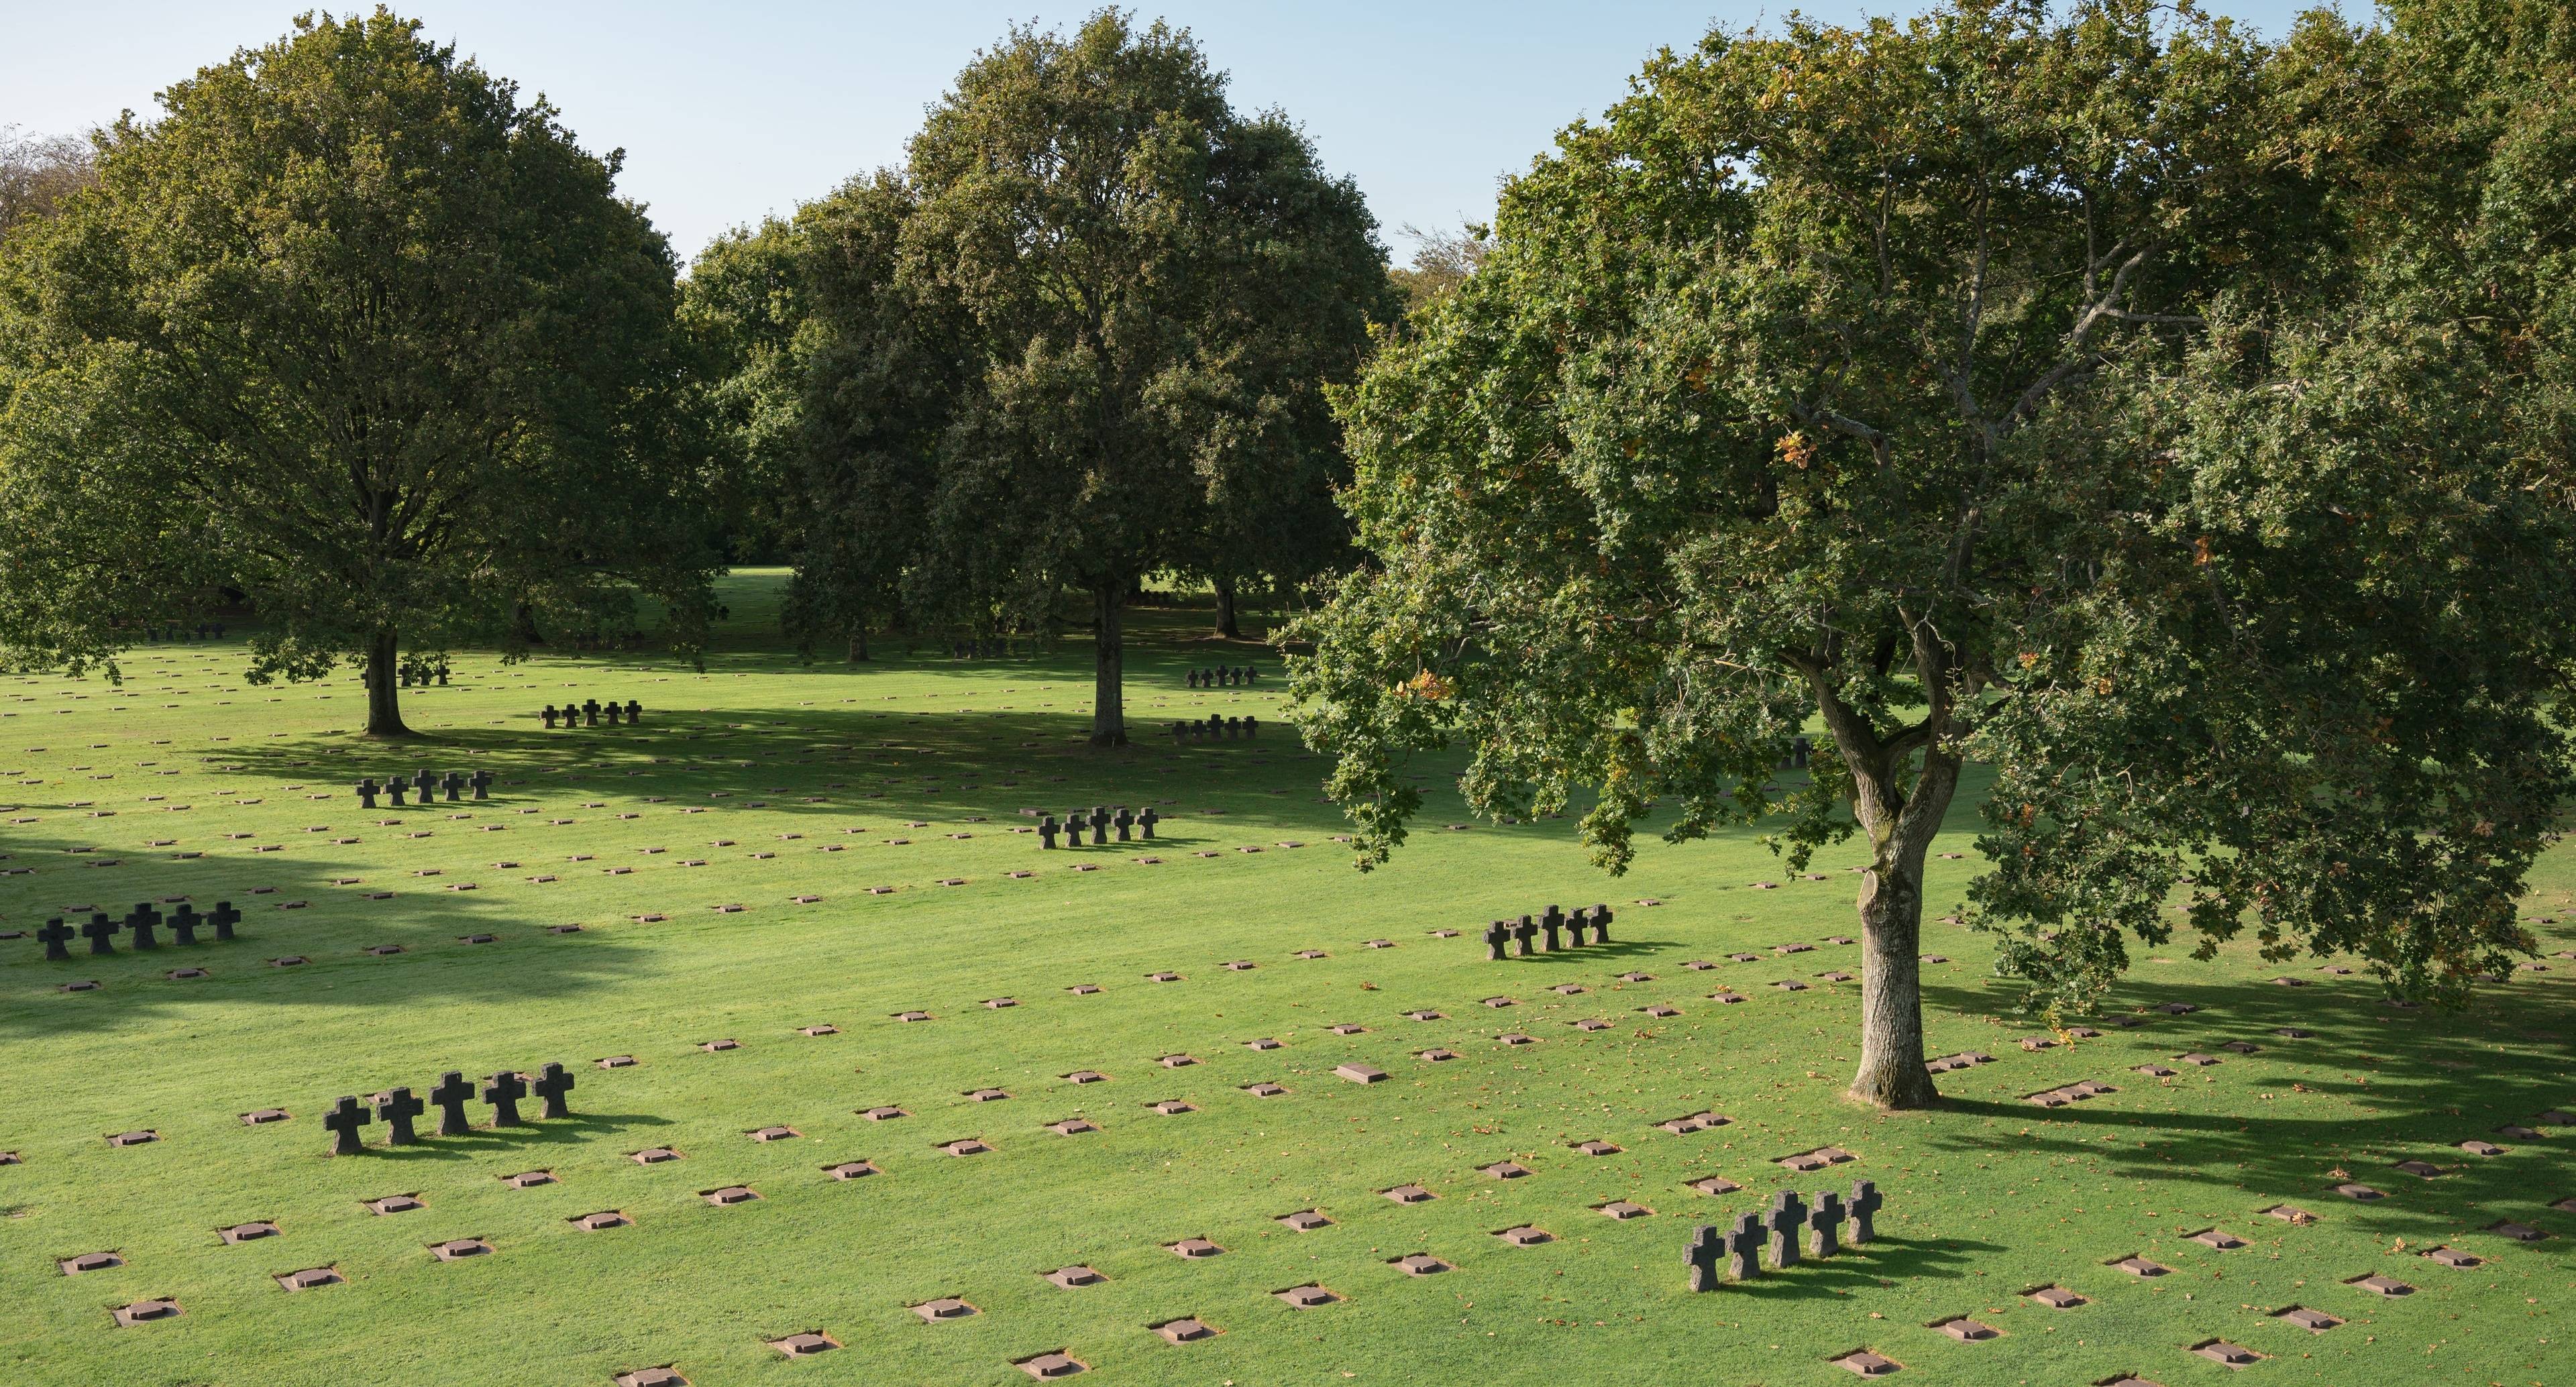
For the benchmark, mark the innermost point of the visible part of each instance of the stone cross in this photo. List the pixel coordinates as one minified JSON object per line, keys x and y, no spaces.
{"x":184,"y":922}
{"x":367,"y":792}
{"x":55,"y":935}
{"x":1706,"y":1245}
{"x":549,"y":716}
{"x":1524,"y":932}
{"x":503,"y":1091}
{"x":1601,"y":924}
{"x":1147,"y":820}
{"x":611,"y":709}
{"x":1046,"y":832}
{"x":553,"y":1082}
{"x":1823,"y":1224}
{"x":1126,"y":822}
{"x":1744,"y":1248}
{"x":343,"y":1122}
{"x":1497,"y":935}
{"x":101,"y":930}
{"x":442,"y":676}
{"x":1787,"y":1215}
{"x":451,"y":1096}
{"x":1099,"y":825}
{"x":634,"y":712}
{"x":454,"y":784}
{"x":590,"y":710}
{"x":425,"y":784}
{"x":398,"y":1107}
{"x":396,"y":789}
{"x":142,"y":922}
{"x":224,"y":918}
{"x":1863,"y":1204}
{"x":1574,"y":926}
{"x":1552,"y":920}
{"x":1251,"y":727}
{"x":482,"y":783}
{"x":1194,"y":679}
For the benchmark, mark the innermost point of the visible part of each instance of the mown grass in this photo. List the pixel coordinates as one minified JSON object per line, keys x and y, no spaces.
{"x":1986,"y":1197}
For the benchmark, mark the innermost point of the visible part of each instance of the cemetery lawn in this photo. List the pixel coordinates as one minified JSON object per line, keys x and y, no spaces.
{"x":182,"y":777}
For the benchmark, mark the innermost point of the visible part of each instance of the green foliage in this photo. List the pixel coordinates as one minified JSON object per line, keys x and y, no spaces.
{"x":1984,"y":385}
{"x":353,"y":331}
{"x":1083,"y":337}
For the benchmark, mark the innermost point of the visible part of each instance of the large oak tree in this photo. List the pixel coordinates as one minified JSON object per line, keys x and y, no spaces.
{"x":1998,"y":384}
{"x":354,"y":331}
{"x":1084,"y":336}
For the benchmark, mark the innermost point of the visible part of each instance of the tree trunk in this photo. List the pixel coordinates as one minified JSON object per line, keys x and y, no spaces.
{"x":384,"y":707}
{"x":526,"y":622}
{"x":1108,"y":694}
{"x":1226,"y":625}
{"x":1892,"y":1074}
{"x":858,"y":644}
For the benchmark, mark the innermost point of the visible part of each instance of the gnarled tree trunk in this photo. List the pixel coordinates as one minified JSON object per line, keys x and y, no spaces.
{"x":858,"y":644}
{"x":1108,"y":687}
{"x":384,"y":706}
{"x":1900,"y":829}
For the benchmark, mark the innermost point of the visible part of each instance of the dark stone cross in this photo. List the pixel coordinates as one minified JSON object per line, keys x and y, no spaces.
{"x":551,"y":1086}
{"x":343,"y":1122}
{"x":1744,"y":1248}
{"x":1823,"y":1224}
{"x":503,"y":1091}
{"x":1601,"y":924}
{"x":100,"y":931}
{"x":396,"y":789}
{"x":1497,"y":934}
{"x":1251,"y":727}
{"x":142,"y":922}
{"x":1147,"y":820}
{"x":549,"y":716}
{"x":1863,"y":1204}
{"x":224,"y":918}
{"x":451,"y":1096}
{"x":184,"y":922}
{"x":367,"y":792}
{"x":454,"y":784}
{"x":1787,"y":1215}
{"x":482,"y":783}
{"x":55,"y":935}
{"x":634,"y":712}
{"x":398,"y":1106}
{"x":1126,"y":822}
{"x":1574,"y":927}
{"x":1706,"y":1245}
{"x":442,"y":676}
{"x":1552,"y":920}
{"x":590,"y":711}
{"x":1099,"y":825}
{"x":1046,"y":832}
{"x":610,"y":708}
{"x":1194,"y":679}
{"x":1524,"y":932}
{"x":424,"y":784}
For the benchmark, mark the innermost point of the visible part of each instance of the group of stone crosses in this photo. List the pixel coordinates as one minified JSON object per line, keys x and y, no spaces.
{"x":1216,"y":729}
{"x":143,"y":924}
{"x":587,"y":715}
{"x":398,"y":1106}
{"x":1741,"y":1245}
{"x":200,"y":631}
{"x":425,"y":786}
{"x":1558,"y":930}
{"x":982,"y":648}
{"x":1224,"y":678}
{"x":422,"y":678}
{"x":1101,"y":821}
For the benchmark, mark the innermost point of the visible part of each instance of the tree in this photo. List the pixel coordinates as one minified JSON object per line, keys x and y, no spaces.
{"x":1972,"y":387}
{"x":352,"y":329}
{"x":1442,"y":260}
{"x":36,"y":173}
{"x":1126,"y":300}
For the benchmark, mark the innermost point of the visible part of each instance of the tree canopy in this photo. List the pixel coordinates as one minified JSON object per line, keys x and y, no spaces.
{"x":1085,"y":335}
{"x":354,"y":332}
{"x":2062,"y":391}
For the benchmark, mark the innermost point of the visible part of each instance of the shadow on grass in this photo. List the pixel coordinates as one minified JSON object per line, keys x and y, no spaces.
{"x":535,"y":1138}
{"x":1884,"y":1262}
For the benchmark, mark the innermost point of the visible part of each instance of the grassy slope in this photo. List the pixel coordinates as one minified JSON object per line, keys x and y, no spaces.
{"x":1985,"y":1198}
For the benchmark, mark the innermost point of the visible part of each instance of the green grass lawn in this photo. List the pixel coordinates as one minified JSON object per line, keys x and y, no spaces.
{"x":761,"y":764}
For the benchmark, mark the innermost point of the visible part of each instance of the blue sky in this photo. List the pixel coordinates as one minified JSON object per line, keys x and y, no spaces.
{"x":727,"y":112}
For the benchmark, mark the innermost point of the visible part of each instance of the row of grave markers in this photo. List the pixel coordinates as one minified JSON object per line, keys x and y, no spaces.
{"x":1742,"y":1244}
{"x":1216,"y":729}
{"x":101,"y":931}
{"x":587,"y":715}
{"x":425,"y":786}
{"x":1551,"y":923}
{"x":397,"y":1107}
{"x":1101,"y":821}
{"x":1224,"y":678}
